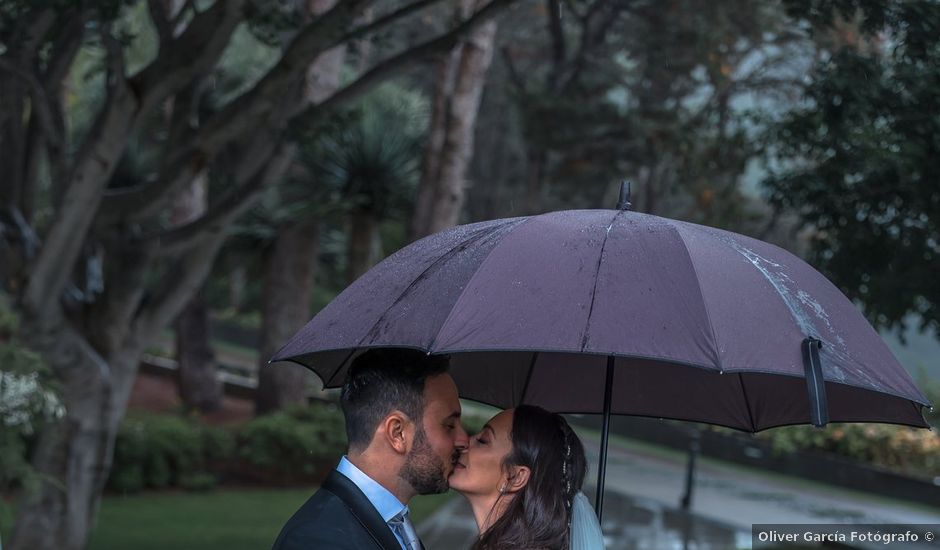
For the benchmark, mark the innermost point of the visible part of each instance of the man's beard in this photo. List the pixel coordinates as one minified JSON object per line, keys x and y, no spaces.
{"x":424,"y":470}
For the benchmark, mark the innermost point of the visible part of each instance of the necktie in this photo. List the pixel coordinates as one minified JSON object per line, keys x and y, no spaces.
{"x":402,"y":527}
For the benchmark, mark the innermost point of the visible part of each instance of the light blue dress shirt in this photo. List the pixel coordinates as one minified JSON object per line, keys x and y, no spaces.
{"x":387,"y":504}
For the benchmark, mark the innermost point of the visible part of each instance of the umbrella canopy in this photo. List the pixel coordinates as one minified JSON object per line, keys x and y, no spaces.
{"x":702,"y":324}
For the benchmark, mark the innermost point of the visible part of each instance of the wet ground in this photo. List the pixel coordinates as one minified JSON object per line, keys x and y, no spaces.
{"x":644,"y":488}
{"x":632,"y":524}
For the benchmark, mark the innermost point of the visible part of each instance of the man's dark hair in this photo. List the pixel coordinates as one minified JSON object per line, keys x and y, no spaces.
{"x":383,"y":380}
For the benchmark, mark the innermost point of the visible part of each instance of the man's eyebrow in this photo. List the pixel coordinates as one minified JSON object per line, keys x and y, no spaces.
{"x":455,"y":414}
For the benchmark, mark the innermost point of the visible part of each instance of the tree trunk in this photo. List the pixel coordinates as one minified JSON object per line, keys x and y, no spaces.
{"x":288,"y":279}
{"x":363,"y":235}
{"x":197,"y":377}
{"x":290,"y":267}
{"x":198,"y":380}
{"x":459,"y":87}
{"x":75,"y":453}
{"x":535,"y":172}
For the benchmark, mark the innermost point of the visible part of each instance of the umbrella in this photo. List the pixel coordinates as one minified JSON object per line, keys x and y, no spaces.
{"x":619,"y":312}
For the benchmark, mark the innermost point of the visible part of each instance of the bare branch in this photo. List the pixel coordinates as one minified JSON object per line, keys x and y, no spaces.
{"x":559,"y":45}
{"x":64,"y":50}
{"x":161,"y":21}
{"x":606,"y":13}
{"x":184,"y":9}
{"x":405,"y":60}
{"x":247,"y":188}
{"x":203,"y":245}
{"x":385,"y":21}
{"x":191,"y":54}
{"x":30,"y":35}
{"x":269,"y":92}
{"x":514,"y":76}
{"x":40,"y":101}
{"x":94,"y":164}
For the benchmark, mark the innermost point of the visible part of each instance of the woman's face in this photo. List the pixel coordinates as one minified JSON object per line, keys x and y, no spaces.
{"x":479,"y":471}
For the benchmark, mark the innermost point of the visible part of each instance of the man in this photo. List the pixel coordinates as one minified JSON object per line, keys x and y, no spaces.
{"x":404,"y":433}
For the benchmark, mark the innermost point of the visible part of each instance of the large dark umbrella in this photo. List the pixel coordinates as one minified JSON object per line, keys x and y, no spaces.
{"x":613,"y":311}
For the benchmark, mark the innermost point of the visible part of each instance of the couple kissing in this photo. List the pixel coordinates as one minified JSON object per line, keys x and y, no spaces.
{"x":522,"y":473}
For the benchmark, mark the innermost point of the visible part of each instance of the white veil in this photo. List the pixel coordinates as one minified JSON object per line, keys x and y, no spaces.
{"x":585,"y":529}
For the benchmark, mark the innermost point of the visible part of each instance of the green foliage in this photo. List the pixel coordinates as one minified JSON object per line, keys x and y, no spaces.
{"x":906,"y":450}
{"x":161,"y":451}
{"x":27,"y":400}
{"x":293,"y":444}
{"x":369,"y":154}
{"x":859,"y":162}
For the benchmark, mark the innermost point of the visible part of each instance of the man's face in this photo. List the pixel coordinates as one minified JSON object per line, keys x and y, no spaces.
{"x":439,"y":438}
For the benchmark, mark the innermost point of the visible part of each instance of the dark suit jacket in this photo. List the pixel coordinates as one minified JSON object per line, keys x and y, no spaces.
{"x":337,"y":516}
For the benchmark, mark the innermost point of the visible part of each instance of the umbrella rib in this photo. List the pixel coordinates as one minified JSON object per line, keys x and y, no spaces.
{"x":339,"y":368}
{"x":517,"y":222}
{"x":597,"y":270}
{"x":701,"y":293}
{"x":528,"y":378}
{"x":450,"y":253}
{"x":747,"y":404}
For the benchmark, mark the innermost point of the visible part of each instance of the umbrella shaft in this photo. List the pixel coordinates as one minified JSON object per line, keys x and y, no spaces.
{"x":605,"y":434}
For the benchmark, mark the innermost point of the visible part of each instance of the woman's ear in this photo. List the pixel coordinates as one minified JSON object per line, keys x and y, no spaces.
{"x":397,"y":430}
{"x":518,"y":479}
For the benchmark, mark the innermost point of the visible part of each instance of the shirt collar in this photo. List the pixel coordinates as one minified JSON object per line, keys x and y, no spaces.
{"x":387,"y":504}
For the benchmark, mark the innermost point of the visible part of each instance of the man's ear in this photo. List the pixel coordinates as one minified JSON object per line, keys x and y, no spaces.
{"x":397,"y":430}
{"x":518,"y":478}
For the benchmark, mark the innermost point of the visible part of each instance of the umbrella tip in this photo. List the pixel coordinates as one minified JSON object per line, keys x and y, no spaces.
{"x":623,"y":203}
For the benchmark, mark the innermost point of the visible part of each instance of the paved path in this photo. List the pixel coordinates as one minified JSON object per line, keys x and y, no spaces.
{"x":644,"y":487}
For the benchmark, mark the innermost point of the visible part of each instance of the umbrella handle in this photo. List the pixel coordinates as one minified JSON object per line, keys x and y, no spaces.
{"x":815,"y":383}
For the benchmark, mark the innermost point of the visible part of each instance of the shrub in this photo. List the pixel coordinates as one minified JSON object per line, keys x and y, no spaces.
{"x":157,"y":451}
{"x":164,"y":450}
{"x":906,"y":450}
{"x":297,"y":444}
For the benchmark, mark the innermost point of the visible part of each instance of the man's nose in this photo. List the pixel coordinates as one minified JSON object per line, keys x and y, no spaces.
{"x":461,"y":439}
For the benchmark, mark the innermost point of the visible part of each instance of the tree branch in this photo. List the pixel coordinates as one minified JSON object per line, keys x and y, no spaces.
{"x":384,"y":21}
{"x":191,"y":54}
{"x":232,"y":205}
{"x":238,"y":117}
{"x":559,"y":45}
{"x":40,"y":102}
{"x":514,"y":76}
{"x":94,"y":164}
{"x":202,"y":245}
{"x":160,"y":20}
{"x":399,"y":63}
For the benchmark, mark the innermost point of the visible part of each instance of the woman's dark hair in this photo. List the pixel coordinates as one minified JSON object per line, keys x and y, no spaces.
{"x":538,"y":516}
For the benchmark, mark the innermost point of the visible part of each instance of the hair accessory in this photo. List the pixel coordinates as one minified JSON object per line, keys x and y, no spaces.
{"x":565,"y":471}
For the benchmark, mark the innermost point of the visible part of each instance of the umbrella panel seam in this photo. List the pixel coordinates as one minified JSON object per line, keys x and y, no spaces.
{"x":518,"y":223}
{"x":600,"y":259}
{"x":701,"y":293}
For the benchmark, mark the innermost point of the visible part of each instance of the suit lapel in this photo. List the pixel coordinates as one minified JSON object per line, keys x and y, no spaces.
{"x":362,"y":509}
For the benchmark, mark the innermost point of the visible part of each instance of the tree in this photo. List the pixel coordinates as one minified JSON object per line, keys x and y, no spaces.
{"x":650,"y":91}
{"x":93,"y":340}
{"x":460,"y":78}
{"x":858,"y":162}
{"x":290,"y":263}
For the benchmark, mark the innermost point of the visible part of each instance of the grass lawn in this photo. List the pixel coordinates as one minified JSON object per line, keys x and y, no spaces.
{"x":222,"y":519}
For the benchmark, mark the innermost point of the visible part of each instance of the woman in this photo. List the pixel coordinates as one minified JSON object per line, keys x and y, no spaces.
{"x":522,"y":475}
